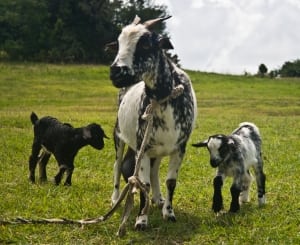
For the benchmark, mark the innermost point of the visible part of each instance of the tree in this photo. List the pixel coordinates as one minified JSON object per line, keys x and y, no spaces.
{"x":262,"y":70}
{"x":68,"y":30}
{"x":290,"y":69}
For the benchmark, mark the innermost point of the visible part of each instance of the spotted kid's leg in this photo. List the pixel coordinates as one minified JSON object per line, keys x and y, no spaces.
{"x":155,"y":183}
{"x":260,"y":181}
{"x":244,"y":196}
{"x":174,"y":166}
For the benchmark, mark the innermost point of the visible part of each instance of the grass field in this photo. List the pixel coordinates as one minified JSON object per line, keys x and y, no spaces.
{"x":80,"y":94}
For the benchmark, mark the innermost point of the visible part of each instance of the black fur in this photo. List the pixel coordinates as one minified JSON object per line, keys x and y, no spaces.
{"x":63,"y":141}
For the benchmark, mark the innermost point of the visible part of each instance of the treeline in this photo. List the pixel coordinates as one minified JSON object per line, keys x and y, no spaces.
{"x":67,"y":30}
{"x":288,"y":69}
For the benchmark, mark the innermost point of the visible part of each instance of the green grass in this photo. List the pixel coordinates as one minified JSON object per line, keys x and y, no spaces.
{"x":81,"y":94}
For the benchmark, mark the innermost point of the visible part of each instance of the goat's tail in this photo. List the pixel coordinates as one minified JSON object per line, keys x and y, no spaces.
{"x":33,"y":118}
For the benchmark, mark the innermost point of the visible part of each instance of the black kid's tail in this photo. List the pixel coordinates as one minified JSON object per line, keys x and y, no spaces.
{"x":33,"y":118}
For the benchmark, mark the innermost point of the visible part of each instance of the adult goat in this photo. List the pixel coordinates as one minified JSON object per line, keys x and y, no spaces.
{"x":142,"y":66}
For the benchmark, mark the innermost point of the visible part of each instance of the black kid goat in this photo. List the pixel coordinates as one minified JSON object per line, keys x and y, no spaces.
{"x":63,"y":141}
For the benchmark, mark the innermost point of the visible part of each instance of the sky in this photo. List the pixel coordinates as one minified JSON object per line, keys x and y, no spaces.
{"x":234,"y":36}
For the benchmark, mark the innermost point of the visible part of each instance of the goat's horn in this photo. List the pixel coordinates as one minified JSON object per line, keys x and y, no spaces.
{"x":151,"y":23}
{"x":136,"y":20}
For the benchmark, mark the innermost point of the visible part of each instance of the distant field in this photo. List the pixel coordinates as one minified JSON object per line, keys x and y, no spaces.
{"x":80,"y":94}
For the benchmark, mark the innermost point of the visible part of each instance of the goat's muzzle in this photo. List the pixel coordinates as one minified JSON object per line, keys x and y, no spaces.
{"x":215,"y":162}
{"x":121,"y":76}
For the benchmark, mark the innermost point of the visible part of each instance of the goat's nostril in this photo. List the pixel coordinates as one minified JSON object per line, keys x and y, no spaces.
{"x":115,"y":69}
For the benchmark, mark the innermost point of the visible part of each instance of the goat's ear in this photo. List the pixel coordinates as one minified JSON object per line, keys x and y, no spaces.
{"x":201,"y":144}
{"x":113,"y":46}
{"x":230,"y":142}
{"x":86,"y":133}
{"x":165,"y":43}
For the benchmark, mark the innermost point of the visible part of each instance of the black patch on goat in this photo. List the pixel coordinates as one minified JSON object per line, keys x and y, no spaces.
{"x":63,"y":141}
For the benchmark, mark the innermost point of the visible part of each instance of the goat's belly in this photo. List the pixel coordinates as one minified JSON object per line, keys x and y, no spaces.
{"x":164,"y":137}
{"x":163,"y":145}
{"x":128,"y":114}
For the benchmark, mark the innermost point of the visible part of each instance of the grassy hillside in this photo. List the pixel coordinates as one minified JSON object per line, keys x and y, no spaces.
{"x":81,"y":94}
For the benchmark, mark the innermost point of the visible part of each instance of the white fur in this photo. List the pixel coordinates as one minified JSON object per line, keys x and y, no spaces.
{"x":127,"y":43}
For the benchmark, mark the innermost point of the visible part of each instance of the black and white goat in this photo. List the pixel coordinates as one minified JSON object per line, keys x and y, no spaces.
{"x":142,"y":66}
{"x":234,"y":155}
{"x":63,"y":141}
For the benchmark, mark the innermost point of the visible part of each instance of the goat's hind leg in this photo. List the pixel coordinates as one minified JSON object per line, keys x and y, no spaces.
{"x":260,"y":182}
{"x":43,"y":160}
{"x":174,"y":166}
{"x":157,"y":197}
{"x":117,"y":171}
{"x":244,"y":196}
{"x":33,"y":160}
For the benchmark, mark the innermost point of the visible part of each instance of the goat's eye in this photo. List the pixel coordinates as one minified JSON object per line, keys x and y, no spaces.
{"x":144,"y":42}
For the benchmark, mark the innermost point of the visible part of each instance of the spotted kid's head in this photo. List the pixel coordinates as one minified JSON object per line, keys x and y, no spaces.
{"x":219,"y":147}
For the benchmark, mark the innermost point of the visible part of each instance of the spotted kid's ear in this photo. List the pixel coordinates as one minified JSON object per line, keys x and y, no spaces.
{"x":165,"y":43}
{"x":230,"y":142}
{"x":201,"y":144}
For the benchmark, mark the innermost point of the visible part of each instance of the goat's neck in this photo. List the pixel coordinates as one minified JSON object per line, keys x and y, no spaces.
{"x":160,"y":84}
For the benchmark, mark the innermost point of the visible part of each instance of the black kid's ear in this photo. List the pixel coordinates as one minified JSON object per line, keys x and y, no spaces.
{"x":87,"y":133}
{"x":201,"y":144}
{"x":113,"y":46}
{"x":165,"y":43}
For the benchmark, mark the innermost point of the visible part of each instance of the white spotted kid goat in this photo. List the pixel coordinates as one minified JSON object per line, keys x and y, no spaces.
{"x":150,"y":77}
{"x":233,"y":156}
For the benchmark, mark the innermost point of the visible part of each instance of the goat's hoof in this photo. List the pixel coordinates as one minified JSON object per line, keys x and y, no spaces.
{"x":160,"y":202}
{"x":141,"y":223}
{"x":261,"y":201}
{"x":172,"y":218}
{"x":42,"y":180}
{"x":67,"y":184}
{"x":217,"y":208}
{"x":233,"y":210}
{"x":31,"y":179}
{"x":140,"y":227}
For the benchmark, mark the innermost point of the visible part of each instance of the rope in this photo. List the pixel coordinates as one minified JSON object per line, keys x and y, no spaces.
{"x":131,"y":188}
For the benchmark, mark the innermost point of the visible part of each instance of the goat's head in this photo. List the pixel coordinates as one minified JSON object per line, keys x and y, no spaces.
{"x":219,"y":147}
{"x":138,"y":49}
{"x":94,"y":135}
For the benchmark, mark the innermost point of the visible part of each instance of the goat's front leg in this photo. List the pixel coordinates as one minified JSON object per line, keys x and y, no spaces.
{"x":144,"y":176}
{"x":235,"y":191}
{"x":117,"y":171}
{"x":217,"y":205}
{"x":155,"y":183}
{"x":173,"y":170}
{"x":59,"y":175}
{"x":69,"y":172}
